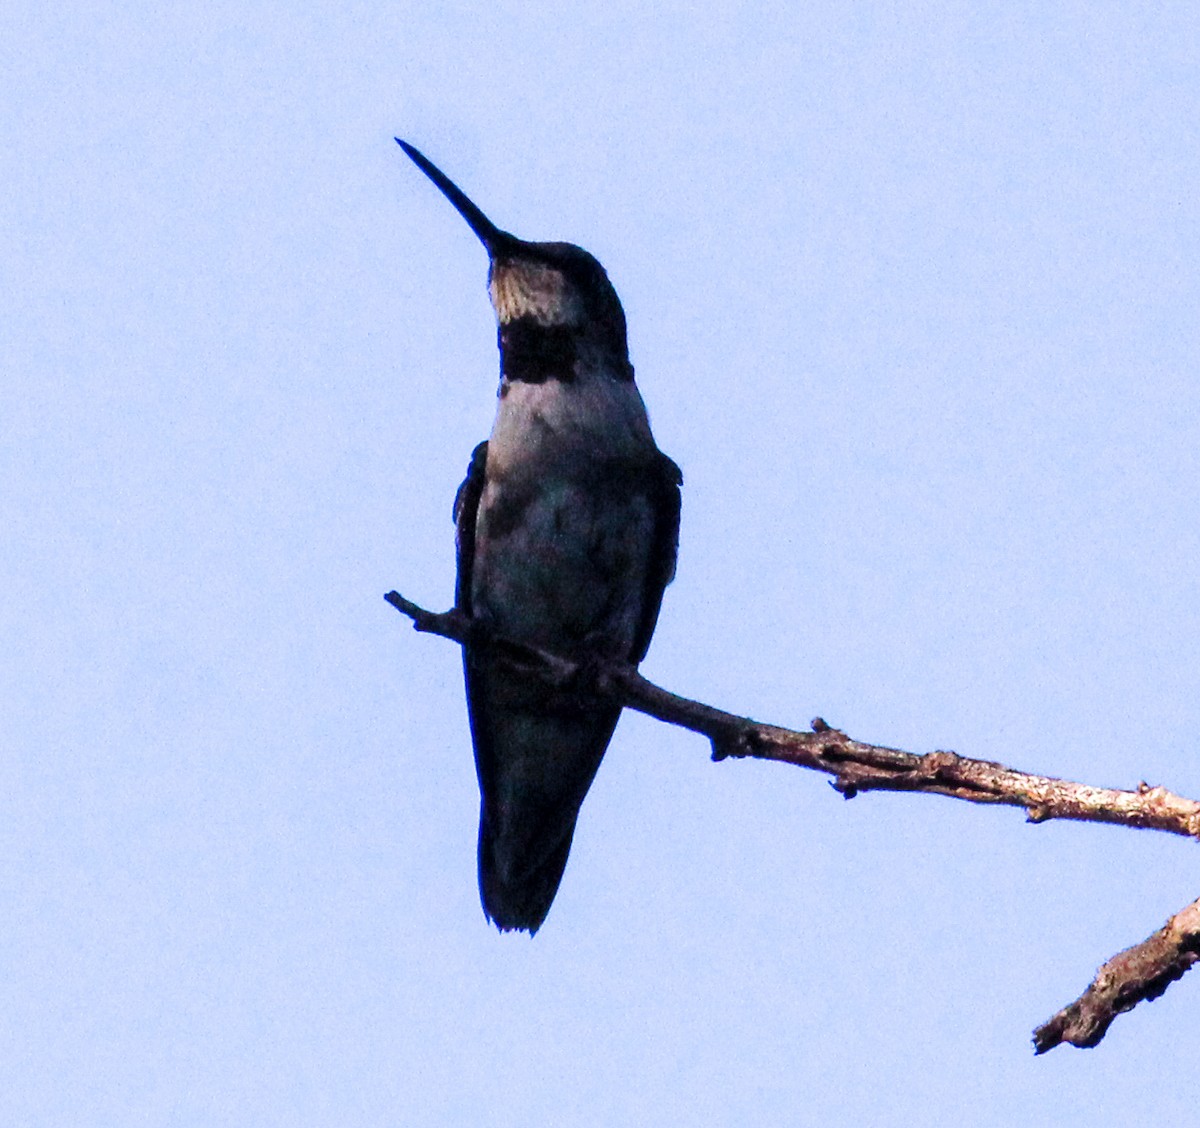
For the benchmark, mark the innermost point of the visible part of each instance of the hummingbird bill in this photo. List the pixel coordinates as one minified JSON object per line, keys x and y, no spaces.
{"x":567,"y":529}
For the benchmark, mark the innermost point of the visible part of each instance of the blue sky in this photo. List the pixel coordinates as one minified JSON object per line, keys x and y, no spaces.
{"x":912,"y":297}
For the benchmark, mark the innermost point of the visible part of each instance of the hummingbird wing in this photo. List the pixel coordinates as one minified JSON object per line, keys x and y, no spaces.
{"x":466,"y":505}
{"x":666,"y":498}
{"x":534,"y":762}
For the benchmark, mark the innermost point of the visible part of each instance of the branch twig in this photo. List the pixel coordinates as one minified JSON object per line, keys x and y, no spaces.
{"x":1142,"y":972}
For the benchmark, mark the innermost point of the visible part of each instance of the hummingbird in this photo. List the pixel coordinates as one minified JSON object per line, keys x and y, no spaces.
{"x":567,"y":528}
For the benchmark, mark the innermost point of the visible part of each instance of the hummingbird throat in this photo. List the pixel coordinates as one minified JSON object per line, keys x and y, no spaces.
{"x":533,"y":292}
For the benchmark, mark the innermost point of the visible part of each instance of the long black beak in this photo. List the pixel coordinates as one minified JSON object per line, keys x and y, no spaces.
{"x":493,"y":239}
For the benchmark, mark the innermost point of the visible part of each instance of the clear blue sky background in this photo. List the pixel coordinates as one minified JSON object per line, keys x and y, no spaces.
{"x":913,"y":296}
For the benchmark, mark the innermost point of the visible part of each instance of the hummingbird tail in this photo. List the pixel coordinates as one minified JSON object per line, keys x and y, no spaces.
{"x":536,"y":759}
{"x":519,"y":878}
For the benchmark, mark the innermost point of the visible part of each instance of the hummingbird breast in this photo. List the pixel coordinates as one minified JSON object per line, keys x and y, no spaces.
{"x":566,"y":520}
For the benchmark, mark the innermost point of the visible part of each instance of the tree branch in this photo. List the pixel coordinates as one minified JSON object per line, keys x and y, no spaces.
{"x":1142,"y":972}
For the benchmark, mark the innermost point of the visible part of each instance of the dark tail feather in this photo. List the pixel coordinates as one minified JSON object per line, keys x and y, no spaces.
{"x":536,"y":758}
{"x":518,"y":879}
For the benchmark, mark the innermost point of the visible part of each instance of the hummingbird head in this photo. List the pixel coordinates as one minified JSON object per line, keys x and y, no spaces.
{"x":557,"y":287}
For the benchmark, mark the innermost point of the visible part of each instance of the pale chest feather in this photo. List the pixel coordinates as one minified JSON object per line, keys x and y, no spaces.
{"x":552,"y":425}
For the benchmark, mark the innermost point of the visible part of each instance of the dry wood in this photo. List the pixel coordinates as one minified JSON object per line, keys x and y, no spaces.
{"x":1141,"y":972}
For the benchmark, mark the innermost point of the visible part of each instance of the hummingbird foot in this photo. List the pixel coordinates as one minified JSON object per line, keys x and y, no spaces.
{"x":588,"y":678}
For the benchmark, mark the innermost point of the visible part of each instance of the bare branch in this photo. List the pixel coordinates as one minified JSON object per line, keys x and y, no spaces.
{"x":1142,"y":972}
{"x":855,"y":765}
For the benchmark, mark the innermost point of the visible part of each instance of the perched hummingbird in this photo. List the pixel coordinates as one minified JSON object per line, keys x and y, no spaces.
{"x":567,"y":530}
